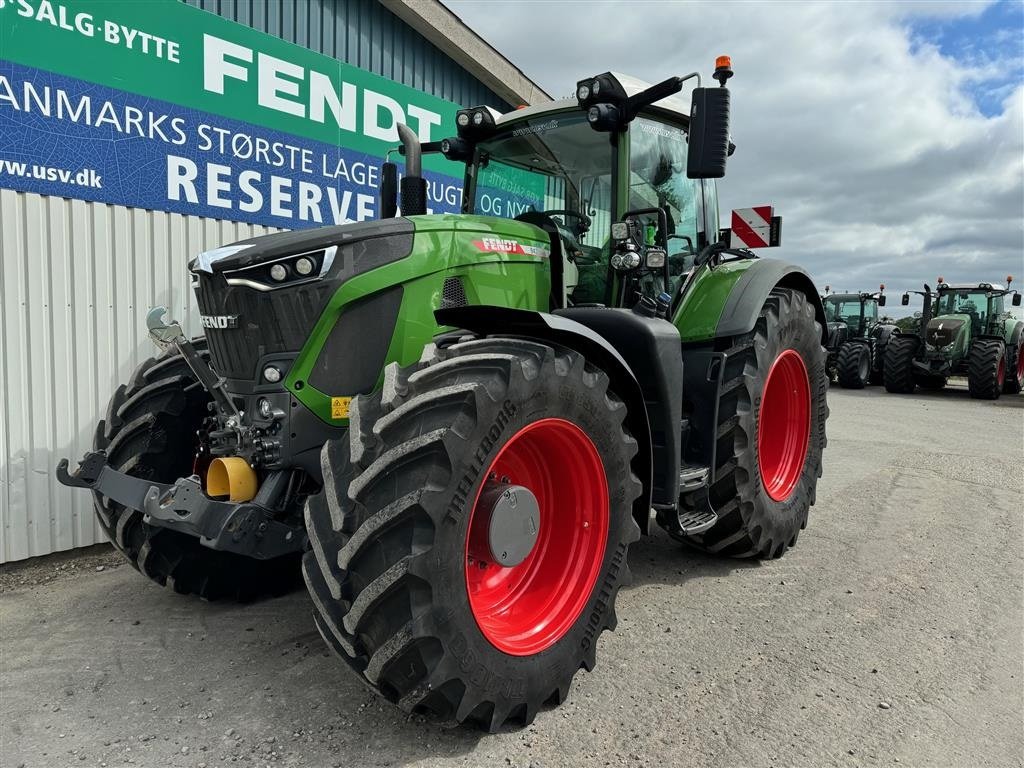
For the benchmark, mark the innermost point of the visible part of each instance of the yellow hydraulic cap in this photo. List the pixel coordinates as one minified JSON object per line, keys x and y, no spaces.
{"x":231,"y":477}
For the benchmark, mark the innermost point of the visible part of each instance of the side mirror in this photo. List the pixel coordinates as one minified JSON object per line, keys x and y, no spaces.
{"x":881,"y":300}
{"x":1015,"y":300}
{"x":905,"y":300}
{"x":708,"y":133}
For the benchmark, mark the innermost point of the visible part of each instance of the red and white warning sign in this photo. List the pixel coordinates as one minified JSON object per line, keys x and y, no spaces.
{"x":756,"y":227}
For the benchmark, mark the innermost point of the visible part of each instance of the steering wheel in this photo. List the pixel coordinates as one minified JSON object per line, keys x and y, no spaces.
{"x":584,"y":221}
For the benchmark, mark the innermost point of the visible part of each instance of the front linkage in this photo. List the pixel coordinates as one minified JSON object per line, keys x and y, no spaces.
{"x":247,"y":528}
{"x":242,"y":526}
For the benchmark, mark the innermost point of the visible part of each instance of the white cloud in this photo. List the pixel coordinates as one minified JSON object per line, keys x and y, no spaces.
{"x":864,"y":137}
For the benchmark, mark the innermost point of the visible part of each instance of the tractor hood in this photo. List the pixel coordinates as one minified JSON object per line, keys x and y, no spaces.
{"x":261,"y":299}
{"x":948,"y":333}
{"x":838,"y":332}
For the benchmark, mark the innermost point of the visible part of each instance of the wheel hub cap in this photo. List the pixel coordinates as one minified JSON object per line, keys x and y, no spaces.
{"x":511,"y":520}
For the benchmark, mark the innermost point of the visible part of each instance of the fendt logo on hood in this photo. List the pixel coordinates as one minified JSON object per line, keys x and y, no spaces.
{"x":219,"y":321}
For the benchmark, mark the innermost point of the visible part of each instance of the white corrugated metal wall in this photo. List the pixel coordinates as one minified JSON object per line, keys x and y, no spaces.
{"x":77,"y":280}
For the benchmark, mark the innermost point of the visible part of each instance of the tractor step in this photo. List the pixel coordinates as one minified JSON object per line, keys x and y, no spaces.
{"x":697,"y":520}
{"x":692,"y":477}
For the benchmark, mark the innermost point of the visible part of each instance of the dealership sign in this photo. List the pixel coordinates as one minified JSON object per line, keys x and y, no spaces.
{"x":163,"y":106}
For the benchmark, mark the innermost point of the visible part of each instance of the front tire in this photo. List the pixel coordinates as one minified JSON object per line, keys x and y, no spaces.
{"x":150,"y":432}
{"x":406,"y":587}
{"x":771,"y":426}
{"x":986,"y":368}
{"x":854,"y":364}
{"x":899,"y":364}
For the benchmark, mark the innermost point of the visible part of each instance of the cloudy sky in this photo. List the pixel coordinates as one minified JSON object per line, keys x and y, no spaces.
{"x":889,"y":136}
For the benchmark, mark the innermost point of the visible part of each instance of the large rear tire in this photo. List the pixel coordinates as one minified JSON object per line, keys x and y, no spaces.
{"x":150,"y":432}
{"x":986,"y":368}
{"x":854,"y":364}
{"x":771,"y":433}
{"x":407,"y":589}
{"x":899,"y":364}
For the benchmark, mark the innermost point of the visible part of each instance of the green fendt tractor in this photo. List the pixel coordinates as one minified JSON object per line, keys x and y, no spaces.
{"x":965,"y":331}
{"x":856,"y":339}
{"x":459,"y":423}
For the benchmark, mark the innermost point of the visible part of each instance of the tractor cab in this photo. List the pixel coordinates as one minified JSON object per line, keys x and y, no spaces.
{"x":979,"y":305}
{"x":854,"y":311}
{"x":621,"y":178}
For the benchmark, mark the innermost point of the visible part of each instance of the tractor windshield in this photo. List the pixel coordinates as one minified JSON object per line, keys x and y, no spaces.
{"x":973,"y":303}
{"x":843,"y":309}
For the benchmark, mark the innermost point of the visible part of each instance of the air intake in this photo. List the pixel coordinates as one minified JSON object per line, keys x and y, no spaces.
{"x":453,"y":294}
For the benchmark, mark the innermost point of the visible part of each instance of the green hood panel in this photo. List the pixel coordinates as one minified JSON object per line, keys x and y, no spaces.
{"x":475,"y":259}
{"x":949,"y":334}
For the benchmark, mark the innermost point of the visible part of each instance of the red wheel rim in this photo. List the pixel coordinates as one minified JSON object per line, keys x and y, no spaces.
{"x":526,"y":608}
{"x":1020,"y":363}
{"x":784,"y":425}
{"x":1001,"y":372}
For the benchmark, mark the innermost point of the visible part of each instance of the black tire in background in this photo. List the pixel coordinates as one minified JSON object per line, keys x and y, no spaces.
{"x":854,"y":365}
{"x":150,"y":432}
{"x":899,"y":363}
{"x":753,"y":520}
{"x":1014,"y":380}
{"x":986,"y":368}
{"x":391,"y":568}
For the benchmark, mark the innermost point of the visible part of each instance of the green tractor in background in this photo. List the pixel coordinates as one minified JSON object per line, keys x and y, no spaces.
{"x":856,"y":338}
{"x":459,"y":423}
{"x":965,"y":330}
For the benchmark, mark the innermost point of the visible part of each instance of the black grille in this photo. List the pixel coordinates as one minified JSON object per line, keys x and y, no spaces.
{"x":269,"y":322}
{"x":453,"y":294}
{"x":943,"y":331}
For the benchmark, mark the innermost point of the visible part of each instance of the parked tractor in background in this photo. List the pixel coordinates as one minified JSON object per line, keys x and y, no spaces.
{"x":856,"y":337}
{"x":460,"y":423}
{"x":965,"y":331}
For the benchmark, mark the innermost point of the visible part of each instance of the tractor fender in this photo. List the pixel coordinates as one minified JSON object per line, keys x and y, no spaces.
{"x":880,"y":336}
{"x":551,"y":328}
{"x":748,"y":295}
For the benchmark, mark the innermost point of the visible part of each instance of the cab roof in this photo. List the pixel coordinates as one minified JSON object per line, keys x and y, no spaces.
{"x":673,"y":106}
{"x":971,"y":287}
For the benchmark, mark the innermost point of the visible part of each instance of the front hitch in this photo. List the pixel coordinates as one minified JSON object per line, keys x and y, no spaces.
{"x":245,"y":528}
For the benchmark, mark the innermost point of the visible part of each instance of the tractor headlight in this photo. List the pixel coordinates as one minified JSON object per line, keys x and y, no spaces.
{"x":583,"y":92}
{"x":284,"y":272}
{"x":476,"y":123}
{"x":272,"y":374}
{"x":655,"y":258}
{"x":266,"y":410}
{"x":603,"y":117}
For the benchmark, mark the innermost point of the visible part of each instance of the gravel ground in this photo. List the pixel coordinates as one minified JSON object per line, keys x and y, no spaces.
{"x":892,"y":634}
